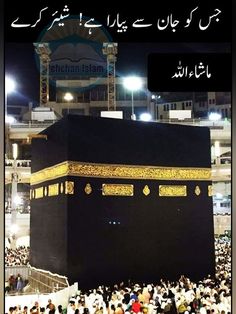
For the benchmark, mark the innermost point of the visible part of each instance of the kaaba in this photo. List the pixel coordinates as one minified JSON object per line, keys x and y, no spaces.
{"x":115,"y":200}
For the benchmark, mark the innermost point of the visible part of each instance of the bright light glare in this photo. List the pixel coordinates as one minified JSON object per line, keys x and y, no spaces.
{"x":68,"y":97}
{"x":214,"y":116}
{"x":10,"y":119}
{"x":132,"y":83}
{"x":17,"y":200}
{"x":15,"y":150}
{"x":145,"y":116}
{"x":133,"y":116}
{"x":156,"y":96}
{"x":14,"y":229}
{"x":219,"y":195}
{"x":10,"y":85}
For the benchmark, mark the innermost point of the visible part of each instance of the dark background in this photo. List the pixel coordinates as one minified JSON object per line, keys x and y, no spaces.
{"x":132,"y":58}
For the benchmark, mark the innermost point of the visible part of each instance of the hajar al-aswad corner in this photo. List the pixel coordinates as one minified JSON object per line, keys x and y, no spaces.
{"x":117,"y":199}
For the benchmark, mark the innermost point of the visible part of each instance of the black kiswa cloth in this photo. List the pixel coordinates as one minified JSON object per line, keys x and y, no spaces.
{"x":104,"y":140}
{"x":113,"y":200}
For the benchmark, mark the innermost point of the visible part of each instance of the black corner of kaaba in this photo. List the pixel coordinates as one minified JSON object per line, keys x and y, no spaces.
{"x":113,"y":200}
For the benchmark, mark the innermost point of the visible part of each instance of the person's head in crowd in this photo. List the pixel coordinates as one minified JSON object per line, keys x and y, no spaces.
{"x":36,"y":304}
{"x":34,"y":309}
{"x":86,"y":310}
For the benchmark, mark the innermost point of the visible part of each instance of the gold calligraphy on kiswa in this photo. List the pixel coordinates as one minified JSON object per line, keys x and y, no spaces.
{"x":117,"y":190}
{"x":74,"y":168}
{"x":39,"y":192}
{"x":173,"y":190}
{"x":53,"y":189}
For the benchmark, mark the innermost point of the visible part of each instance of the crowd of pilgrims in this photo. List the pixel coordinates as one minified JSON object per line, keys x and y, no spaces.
{"x":209,"y":296}
{"x":17,"y":257}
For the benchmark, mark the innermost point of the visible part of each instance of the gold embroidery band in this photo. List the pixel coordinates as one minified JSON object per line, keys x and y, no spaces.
{"x":117,"y":189}
{"x":172,"y":190}
{"x":73,"y":168}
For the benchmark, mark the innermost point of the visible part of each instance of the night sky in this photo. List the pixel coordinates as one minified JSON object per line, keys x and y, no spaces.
{"x":20,"y":63}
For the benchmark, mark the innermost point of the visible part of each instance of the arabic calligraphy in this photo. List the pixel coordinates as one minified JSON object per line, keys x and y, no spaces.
{"x":40,"y":16}
{"x":58,"y":19}
{"x":187,"y":72}
{"x":167,"y":22}
{"x":203,"y":28}
{"x":189,"y":19}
